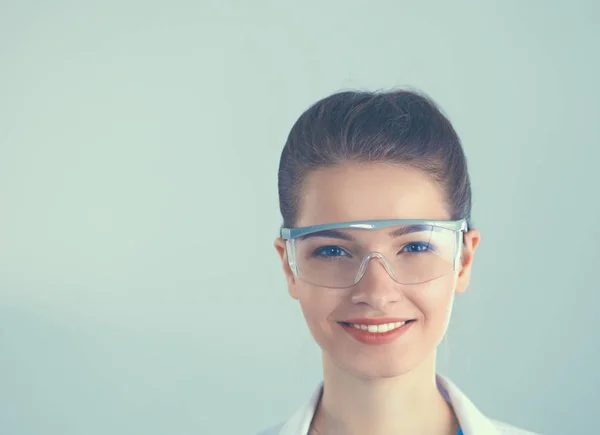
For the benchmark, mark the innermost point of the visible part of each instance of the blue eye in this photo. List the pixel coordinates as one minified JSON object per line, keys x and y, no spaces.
{"x":329,"y":252}
{"x":417,"y":247}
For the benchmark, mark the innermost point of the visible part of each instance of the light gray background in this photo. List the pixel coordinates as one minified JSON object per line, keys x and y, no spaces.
{"x":139,"y":143}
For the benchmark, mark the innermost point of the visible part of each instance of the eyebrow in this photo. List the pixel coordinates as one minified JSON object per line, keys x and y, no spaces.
{"x":336,"y":234}
{"x":411,"y":229}
{"x":329,"y":234}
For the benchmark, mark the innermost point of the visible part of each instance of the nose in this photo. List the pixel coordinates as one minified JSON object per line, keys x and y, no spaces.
{"x":376,"y":287}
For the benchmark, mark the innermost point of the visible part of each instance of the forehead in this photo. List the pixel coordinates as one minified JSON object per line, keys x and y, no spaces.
{"x":354,"y":192}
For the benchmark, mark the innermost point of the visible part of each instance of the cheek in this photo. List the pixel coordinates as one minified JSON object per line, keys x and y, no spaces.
{"x":435,"y":300}
{"x":319,"y":306}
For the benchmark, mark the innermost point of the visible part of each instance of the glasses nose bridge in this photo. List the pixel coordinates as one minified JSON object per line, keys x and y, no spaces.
{"x":365,"y":263}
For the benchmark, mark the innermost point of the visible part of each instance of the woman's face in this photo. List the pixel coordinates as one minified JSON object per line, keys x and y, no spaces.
{"x":356,"y":192}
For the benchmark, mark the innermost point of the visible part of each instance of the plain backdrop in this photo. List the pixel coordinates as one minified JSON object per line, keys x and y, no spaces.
{"x":140,"y":292}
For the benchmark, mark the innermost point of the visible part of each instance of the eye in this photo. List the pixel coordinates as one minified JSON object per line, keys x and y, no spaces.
{"x":330,"y":252}
{"x":416,"y":248}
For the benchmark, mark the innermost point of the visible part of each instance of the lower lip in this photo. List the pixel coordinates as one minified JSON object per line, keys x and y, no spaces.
{"x":367,"y":337}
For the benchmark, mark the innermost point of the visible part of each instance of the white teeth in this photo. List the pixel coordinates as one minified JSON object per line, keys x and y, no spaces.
{"x":378,"y":328}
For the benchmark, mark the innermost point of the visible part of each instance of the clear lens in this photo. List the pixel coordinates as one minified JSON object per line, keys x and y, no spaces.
{"x":339,"y":258}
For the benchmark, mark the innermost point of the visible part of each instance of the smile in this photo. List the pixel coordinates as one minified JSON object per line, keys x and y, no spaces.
{"x":377,"y":329}
{"x":382,"y":333}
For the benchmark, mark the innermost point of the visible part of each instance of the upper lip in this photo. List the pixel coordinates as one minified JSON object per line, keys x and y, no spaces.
{"x":379,"y":321}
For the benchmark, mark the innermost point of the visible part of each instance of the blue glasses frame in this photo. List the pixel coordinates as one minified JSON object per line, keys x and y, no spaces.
{"x":290,"y":234}
{"x":293,"y":233}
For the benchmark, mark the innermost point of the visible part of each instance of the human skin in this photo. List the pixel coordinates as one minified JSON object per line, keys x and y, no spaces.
{"x":384,"y":388}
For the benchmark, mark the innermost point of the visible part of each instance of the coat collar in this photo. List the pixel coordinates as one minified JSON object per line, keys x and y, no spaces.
{"x":471,"y":420}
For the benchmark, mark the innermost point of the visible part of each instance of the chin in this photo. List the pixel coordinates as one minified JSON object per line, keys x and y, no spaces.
{"x":379,"y":374}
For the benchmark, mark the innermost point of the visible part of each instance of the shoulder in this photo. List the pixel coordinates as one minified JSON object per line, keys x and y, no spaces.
{"x":273,"y":430}
{"x":469,"y":416}
{"x":507,"y":429}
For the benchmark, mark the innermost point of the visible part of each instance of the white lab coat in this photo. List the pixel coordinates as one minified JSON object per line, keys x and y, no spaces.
{"x":471,"y":420}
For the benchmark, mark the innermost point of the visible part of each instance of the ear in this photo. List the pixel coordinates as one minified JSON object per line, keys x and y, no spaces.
{"x":470,"y":242}
{"x":289,"y":275}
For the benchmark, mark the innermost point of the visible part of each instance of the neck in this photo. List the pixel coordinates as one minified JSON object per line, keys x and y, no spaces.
{"x":406,"y":404}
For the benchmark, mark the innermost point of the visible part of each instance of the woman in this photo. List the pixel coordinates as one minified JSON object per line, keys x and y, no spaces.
{"x":376,"y":241}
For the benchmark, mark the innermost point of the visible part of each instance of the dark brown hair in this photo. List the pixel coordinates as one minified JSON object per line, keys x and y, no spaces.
{"x":402,"y":127}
